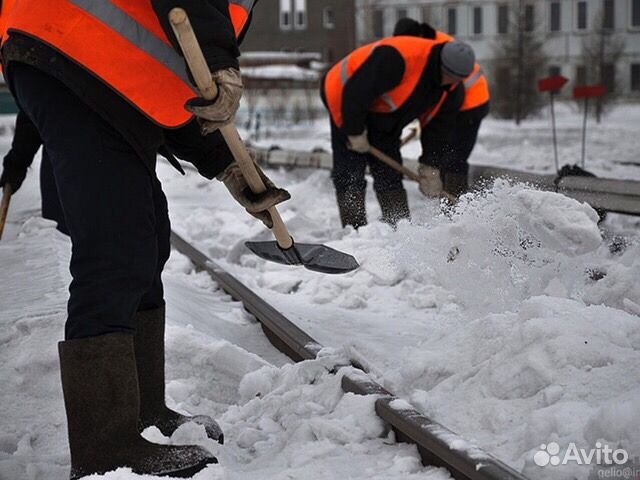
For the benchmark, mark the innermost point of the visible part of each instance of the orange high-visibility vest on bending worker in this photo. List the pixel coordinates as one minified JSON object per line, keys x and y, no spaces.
{"x":415,"y":52}
{"x":123,"y":44}
{"x":476,"y":90}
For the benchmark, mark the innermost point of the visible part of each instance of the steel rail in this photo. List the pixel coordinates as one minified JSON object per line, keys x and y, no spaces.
{"x":436,"y":444}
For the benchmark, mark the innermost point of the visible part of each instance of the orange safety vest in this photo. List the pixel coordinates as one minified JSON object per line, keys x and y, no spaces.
{"x":415,"y":52}
{"x":476,"y":90}
{"x":123,"y":44}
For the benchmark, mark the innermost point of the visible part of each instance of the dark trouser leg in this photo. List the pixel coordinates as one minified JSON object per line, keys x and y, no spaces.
{"x":387,"y":184}
{"x":51,"y":208}
{"x":455,"y":171}
{"x":349,"y":181}
{"x":106,"y":195}
{"x":107,"y":198}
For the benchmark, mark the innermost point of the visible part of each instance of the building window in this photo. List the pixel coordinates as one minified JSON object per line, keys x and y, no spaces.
{"x":452,"y":20}
{"x":635,"y":13}
{"x":581,"y":23}
{"x":581,"y":75}
{"x":635,"y":77}
{"x":555,"y":17}
{"x":503,"y":19}
{"x":285,"y":14}
{"x":555,"y":70}
{"x":529,"y":18}
{"x":378,"y":23}
{"x":329,"y":18}
{"x":300,"y":14}
{"x":477,"y":20}
{"x":401,"y":13}
{"x":608,"y":15}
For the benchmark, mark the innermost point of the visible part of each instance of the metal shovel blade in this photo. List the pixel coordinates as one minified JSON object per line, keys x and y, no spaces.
{"x":318,"y":258}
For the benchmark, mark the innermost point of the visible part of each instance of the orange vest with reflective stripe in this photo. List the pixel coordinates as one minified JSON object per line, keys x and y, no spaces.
{"x":123,"y":44}
{"x":476,"y":90}
{"x":415,"y":52}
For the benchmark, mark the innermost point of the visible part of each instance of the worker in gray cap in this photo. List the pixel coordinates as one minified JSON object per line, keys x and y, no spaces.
{"x":371,"y":95}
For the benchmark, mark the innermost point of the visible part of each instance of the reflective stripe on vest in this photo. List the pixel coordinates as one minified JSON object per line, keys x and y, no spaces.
{"x":415,"y":52}
{"x":476,"y":90}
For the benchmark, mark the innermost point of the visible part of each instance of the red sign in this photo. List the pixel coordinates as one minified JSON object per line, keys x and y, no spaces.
{"x":593,"y":91}
{"x":552,"y":84}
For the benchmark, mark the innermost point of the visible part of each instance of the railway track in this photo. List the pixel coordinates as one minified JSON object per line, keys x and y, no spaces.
{"x":436,"y":444}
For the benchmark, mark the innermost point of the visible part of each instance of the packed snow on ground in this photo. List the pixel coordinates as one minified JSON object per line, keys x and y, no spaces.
{"x":506,"y":318}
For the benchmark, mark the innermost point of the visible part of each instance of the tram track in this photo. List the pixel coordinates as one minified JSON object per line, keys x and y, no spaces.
{"x":437,"y":445}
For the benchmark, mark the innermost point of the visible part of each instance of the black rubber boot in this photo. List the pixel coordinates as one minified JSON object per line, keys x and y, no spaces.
{"x":148,"y":343}
{"x":353,"y":211}
{"x":455,"y":183}
{"x":100,"y":386}
{"x":394,"y":206}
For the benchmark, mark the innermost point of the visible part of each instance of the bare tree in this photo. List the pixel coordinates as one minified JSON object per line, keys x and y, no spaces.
{"x":601,"y":53}
{"x":520,"y":61}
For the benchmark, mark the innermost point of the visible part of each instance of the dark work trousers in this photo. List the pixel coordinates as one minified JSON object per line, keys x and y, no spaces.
{"x":349,"y":167}
{"x":114,"y":208}
{"x":51,"y":208}
{"x":464,"y":140}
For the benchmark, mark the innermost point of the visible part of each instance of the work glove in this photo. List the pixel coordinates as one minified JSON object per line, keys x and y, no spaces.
{"x":256,"y":204}
{"x":430,"y":182}
{"x":12,"y":174}
{"x":217,"y":113}
{"x":358,"y":143}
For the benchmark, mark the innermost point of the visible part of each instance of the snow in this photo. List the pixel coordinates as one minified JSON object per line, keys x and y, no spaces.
{"x":507,"y":319}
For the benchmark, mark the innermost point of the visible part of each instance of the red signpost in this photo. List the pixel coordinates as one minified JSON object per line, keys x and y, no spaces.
{"x":587,"y":92}
{"x":553,"y":85}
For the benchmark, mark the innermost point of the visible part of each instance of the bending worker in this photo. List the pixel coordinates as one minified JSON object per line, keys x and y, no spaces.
{"x":105,"y":87}
{"x":371,"y":95}
{"x":444,"y":164}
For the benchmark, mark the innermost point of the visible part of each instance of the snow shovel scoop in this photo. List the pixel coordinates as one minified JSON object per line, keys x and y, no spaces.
{"x":318,"y":258}
{"x":410,"y":174}
{"x":4,"y":207}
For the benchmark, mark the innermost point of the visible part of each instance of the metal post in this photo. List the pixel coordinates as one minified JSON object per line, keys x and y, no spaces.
{"x":584,"y":129}
{"x":555,"y":139}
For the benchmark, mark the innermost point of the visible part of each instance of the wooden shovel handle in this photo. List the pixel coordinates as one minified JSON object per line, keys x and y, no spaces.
{"x":209,"y":90}
{"x":410,"y":174}
{"x":4,"y":206}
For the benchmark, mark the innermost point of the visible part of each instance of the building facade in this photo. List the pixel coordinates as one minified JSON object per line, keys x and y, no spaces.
{"x":565,"y":25}
{"x":326,"y":27}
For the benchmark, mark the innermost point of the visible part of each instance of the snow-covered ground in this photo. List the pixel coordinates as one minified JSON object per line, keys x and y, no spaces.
{"x":507,"y":319}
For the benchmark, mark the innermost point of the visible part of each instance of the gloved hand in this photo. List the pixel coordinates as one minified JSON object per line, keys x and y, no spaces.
{"x":214,"y":114}
{"x":12,"y":175}
{"x":255,"y":204}
{"x":430,"y":182}
{"x":359,"y":143}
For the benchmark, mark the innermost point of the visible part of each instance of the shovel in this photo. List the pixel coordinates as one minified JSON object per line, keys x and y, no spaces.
{"x":410,"y":174}
{"x":318,"y":258}
{"x":4,"y":207}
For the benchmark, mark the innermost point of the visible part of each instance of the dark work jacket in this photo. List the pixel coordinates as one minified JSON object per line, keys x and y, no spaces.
{"x":382,"y":72}
{"x":213,"y":27}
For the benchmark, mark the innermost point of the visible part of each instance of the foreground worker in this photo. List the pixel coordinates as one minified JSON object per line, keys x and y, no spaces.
{"x":102,"y":113}
{"x":444,"y":164}
{"x":371,"y":95}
